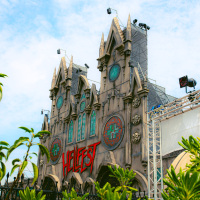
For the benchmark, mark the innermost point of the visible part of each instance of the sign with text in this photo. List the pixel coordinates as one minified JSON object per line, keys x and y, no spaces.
{"x":73,"y":159}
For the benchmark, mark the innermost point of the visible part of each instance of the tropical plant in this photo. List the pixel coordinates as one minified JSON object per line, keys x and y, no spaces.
{"x":73,"y":195}
{"x":31,"y":195}
{"x":1,"y":84}
{"x":21,"y":165}
{"x":185,"y":184}
{"x":182,"y":186}
{"x":121,"y":192}
{"x":125,"y":178}
{"x":192,"y":146}
{"x":3,"y":147}
{"x":112,"y":193}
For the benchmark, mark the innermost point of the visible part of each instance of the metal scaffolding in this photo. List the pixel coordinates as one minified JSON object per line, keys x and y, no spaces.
{"x":155,"y":168}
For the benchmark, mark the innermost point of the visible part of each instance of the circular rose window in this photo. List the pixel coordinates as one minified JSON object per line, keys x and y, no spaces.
{"x":113,"y":132}
{"x":55,"y":150}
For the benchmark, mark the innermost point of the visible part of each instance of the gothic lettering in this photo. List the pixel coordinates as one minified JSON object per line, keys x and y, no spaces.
{"x":76,"y":156}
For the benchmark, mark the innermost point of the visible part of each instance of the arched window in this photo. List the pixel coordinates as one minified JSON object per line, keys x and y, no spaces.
{"x":81,"y":127}
{"x":70,"y":136}
{"x":93,"y":123}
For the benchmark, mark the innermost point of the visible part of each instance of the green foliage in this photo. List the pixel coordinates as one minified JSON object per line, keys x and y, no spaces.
{"x":112,"y":193}
{"x":31,"y":195}
{"x":1,"y":84}
{"x":28,"y":141}
{"x":193,"y":147}
{"x":184,"y":185}
{"x":3,"y":146}
{"x":125,"y":177}
{"x":122,"y":192}
{"x":73,"y":195}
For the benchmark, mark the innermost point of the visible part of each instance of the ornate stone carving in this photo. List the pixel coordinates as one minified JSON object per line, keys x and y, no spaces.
{"x":41,"y":163}
{"x":136,"y":137}
{"x":136,"y":119}
{"x":136,"y":102}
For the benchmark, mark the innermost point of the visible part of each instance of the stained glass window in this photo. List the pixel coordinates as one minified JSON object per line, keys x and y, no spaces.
{"x":79,"y":128}
{"x":114,"y":72}
{"x":93,"y":123}
{"x":82,"y":106}
{"x":70,"y":136}
{"x":83,"y":96}
{"x":83,"y":127}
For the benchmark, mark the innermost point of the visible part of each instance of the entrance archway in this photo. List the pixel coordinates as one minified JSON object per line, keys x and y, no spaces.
{"x":48,"y":184}
{"x":104,"y":177}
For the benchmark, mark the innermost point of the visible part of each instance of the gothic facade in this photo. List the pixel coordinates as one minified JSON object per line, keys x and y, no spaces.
{"x":93,"y":129}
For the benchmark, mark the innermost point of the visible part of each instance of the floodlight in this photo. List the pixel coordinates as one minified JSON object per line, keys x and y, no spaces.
{"x":183,"y":81}
{"x":135,"y":21}
{"x":87,"y":66}
{"x":148,"y":27}
{"x":109,"y":11}
{"x":191,"y":82}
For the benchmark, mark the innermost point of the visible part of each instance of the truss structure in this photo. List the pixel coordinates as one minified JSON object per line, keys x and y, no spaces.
{"x":155,"y":168}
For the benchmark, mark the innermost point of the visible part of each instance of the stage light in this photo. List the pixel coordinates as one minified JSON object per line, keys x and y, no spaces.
{"x":148,"y":27}
{"x":141,"y":24}
{"x":109,"y":11}
{"x":58,"y":51}
{"x":183,"y":81}
{"x":135,"y":21}
{"x":87,"y":66}
{"x":41,"y":112}
{"x":191,"y":82}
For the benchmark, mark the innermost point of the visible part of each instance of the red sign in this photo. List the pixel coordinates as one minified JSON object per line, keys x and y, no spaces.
{"x":74,"y":157}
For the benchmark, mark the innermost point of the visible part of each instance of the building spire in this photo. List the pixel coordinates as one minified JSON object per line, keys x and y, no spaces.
{"x":128,"y":28}
{"x":70,"y":68}
{"x":101,"y":49}
{"x":53,"y":79}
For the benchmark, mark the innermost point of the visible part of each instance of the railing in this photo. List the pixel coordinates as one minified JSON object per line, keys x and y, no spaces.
{"x":50,"y":195}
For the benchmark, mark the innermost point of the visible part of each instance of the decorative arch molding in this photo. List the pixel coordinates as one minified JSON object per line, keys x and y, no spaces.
{"x":105,"y":164}
{"x":55,"y":179}
{"x":45,"y":125}
{"x":141,"y":179}
{"x":62,"y":71}
{"x":89,"y":181}
{"x":116,"y":34}
{"x":82,"y":81}
{"x":103,"y":173}
{"x":76,"y":176}
{"x":135,"y":81}
{"x":93,"y":95}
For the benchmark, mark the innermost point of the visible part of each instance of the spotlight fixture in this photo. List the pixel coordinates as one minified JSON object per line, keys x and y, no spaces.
{"x":58,"y":51}
{"x":135,"y":21}
{"x":142,"y":25}
{"x":185,"y":81}
{"x":87,"y":66}
{"x":109,"y":11}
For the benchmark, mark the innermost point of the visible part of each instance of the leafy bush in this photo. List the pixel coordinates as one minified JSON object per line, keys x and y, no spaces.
{"x":31,"y":195}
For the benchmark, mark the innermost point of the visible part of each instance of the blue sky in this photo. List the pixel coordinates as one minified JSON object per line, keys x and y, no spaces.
{"x":32,"y":30}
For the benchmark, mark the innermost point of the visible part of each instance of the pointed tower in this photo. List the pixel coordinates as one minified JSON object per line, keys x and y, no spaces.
{"x":101,"y":49}
{"x":53,"y":84}
{"x":128,"y":40}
